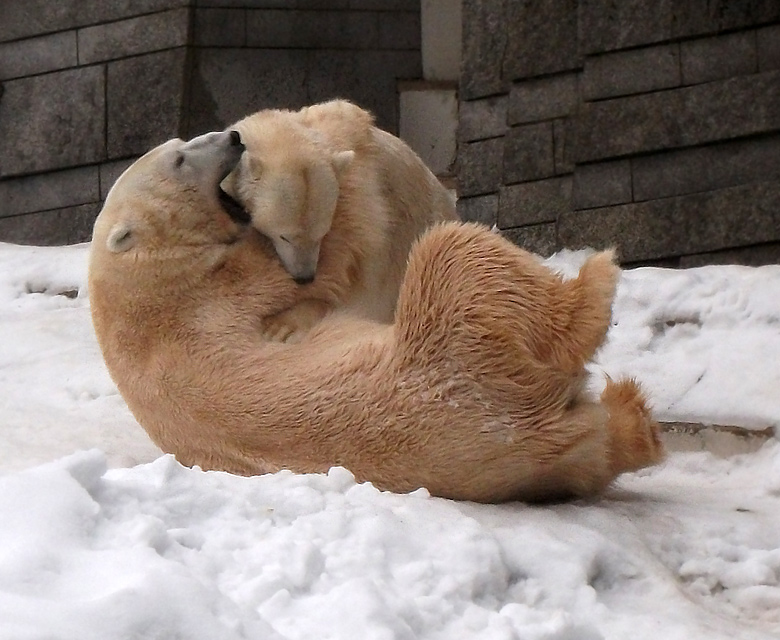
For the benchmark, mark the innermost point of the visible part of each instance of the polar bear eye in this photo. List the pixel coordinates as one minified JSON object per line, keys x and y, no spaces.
{"x":284,"y":239}
{"x":179,"y":160}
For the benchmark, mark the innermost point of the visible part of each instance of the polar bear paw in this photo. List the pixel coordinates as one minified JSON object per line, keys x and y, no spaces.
{"x":292,"y":324}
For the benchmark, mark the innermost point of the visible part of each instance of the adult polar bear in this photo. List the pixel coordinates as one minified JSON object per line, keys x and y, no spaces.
{"x":327,"y":169}
{"x":474,"y":392}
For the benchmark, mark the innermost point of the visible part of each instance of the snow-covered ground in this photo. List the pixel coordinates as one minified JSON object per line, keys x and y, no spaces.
{"x":101,"y":537}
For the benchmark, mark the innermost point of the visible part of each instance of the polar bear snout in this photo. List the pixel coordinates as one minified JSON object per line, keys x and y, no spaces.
{"x":226,"y":142}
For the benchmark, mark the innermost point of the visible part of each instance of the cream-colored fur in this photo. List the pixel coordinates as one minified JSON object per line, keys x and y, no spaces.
{"x":475,"y":391}
{"x":328,"y":169}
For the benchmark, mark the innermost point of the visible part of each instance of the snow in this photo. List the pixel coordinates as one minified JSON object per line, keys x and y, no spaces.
{"x":104,"y":537}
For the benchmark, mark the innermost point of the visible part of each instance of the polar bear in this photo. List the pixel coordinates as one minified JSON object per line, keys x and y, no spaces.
{"x":326,"y":169}
{"x":475,"y":391}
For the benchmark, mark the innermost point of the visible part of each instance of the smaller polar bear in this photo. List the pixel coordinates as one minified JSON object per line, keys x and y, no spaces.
{"x":327,"y":172}
{"x":474,"y":392}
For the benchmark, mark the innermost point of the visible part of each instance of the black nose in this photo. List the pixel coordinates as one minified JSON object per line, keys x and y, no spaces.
{"x":304,"y":279}
{"x":235,"y":138}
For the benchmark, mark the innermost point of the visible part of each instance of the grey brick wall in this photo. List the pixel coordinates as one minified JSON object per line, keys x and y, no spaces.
{"x":649,"y":125}
{"x":86,"y":86}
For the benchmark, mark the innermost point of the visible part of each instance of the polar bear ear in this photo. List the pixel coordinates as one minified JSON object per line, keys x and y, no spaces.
{"x":342,"y":160}
{"x":120,"y":239}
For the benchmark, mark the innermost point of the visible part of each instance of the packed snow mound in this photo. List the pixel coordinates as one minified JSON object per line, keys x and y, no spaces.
{"x":702,"y":341}
{"x":47,"y":271}
{"x":56,"y":396}
{"x":162,"y":551}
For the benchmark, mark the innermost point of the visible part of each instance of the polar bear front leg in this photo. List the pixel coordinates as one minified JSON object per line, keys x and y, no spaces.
{"x":292,"y":324}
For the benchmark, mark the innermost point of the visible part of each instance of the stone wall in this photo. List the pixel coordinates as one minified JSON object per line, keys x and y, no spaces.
{"x":88,"y":85}
{"x":652,"y":126}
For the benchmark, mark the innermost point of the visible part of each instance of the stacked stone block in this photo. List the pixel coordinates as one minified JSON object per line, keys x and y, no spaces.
{"x":86,"y":86}
{"x":249,"y":55}
{"x":650,"y":126}
{"x":81,"y":92}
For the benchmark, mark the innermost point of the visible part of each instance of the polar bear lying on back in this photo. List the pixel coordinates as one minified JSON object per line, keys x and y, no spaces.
{"x":474,"y":392}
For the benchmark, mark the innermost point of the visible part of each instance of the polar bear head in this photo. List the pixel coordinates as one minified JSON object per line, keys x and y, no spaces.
{"x":170,"y":198}
{"x":289,"y":182}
